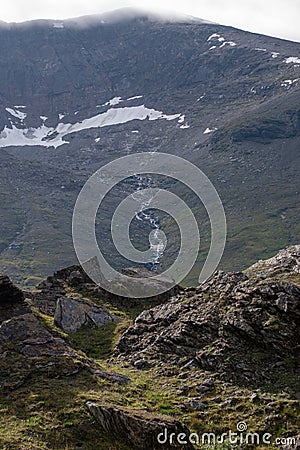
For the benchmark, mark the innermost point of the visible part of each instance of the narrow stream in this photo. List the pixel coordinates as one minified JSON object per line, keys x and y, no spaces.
{"x":157,"y":242}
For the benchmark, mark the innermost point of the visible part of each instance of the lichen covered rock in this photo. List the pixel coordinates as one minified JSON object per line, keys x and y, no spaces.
{"x":139,"y":429}
{"x":71,"y":314}
{"x":243,"y":328}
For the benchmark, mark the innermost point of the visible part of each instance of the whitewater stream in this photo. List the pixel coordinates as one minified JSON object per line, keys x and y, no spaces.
{"x":157,"y":238}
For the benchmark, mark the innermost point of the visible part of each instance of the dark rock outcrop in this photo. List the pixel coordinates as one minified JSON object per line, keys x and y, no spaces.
{"x":264,"y":131}
{"x":32,"y":338}
{"x":9,"y":294}
{"x":243,"y":328}
{"x":71,"y":314}
{"x":11,"y":300}
{"x":45,"y":296}
{"x":112,"y":376}
{"x":27,"y":346}
{"x":286,"y":264}
{"x":139,"y":429}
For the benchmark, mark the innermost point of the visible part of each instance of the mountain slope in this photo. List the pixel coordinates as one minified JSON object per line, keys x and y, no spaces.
{"x":76,"y":94}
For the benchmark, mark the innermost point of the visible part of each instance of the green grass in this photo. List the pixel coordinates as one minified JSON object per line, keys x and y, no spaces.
{"x":161,"y":394}
{"x":97,"y":343}
{"x":51,"y":414}
{"x":47,"y":412}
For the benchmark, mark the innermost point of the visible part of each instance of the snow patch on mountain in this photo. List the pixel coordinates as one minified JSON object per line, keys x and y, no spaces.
{"x":213,"y":36}
{"x":54,"y":137}
{"x":134,"y":98}
{"x":114,"y":101}
{"x":209,"y":130}
{"x":275,"y":54}
{"x":18,"y":114}
{"x":288,"y":83}
{"x":230,"y":43}
{"x":117,"y":100}
{"x":18,"y":137}
{"x":292,"y":59}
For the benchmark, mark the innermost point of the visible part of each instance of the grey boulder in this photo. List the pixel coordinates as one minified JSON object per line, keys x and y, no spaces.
{"x":73,"y":313}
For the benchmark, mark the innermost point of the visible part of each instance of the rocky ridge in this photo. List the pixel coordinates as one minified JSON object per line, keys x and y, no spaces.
{"x":245,"y":326}
{"x":230,"y":345}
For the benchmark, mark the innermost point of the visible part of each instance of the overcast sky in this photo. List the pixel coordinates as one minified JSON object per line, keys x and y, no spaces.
{"x":280,"y":18}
